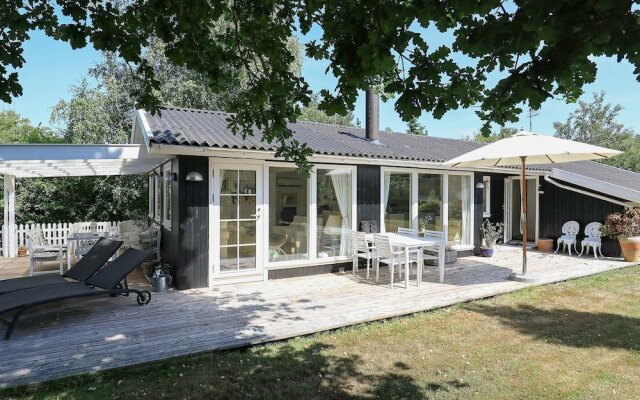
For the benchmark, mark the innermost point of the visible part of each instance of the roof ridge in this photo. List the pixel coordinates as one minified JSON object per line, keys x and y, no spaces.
{"x":202,"y":110}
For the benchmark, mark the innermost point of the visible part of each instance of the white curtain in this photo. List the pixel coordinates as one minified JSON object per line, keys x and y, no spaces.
{"x":387,"y":186}
{"x":342,"y":187}
{"x":465,"y":182}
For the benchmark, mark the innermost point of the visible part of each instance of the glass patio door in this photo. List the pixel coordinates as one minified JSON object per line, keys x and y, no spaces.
{"x":237,"y":231}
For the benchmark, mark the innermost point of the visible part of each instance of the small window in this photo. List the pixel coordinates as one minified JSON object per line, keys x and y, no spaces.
{"x":486,"y":197}
{"x":157,"y":186}
{"x":166,"y":195}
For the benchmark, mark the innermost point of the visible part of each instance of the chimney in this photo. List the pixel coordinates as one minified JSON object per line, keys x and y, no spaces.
{"x":372,"y":116}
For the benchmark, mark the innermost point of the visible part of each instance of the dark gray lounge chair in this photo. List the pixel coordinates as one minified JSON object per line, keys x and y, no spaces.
{"x":88,"y":265}
{"x":106,"y":281}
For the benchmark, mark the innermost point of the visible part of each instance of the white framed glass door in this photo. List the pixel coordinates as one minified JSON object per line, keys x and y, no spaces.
{"x":237,"y":233}
{"x":513,"y":209}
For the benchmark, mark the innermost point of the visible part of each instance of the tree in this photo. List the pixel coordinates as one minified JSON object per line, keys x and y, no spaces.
{"x":596,"y":123}
{"x":15,"y":129}
{"x":313,"y":113}
{"x":414,"y":127}
{"x":503,"y":133}
{"x":515,"y":55}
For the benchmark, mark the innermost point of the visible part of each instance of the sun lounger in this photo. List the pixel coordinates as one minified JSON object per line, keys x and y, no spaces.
{"x":107,"y":281}
{"x":88,"y":265}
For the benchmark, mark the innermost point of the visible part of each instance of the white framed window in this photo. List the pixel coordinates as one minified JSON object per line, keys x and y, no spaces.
{"x":437,"y":200}
{"x":486,"y":197}
{"x":167,"y":190}
{"x":157,"y":194}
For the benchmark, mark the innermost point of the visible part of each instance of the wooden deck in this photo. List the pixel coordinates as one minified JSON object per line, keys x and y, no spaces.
{"x":97,"y":334}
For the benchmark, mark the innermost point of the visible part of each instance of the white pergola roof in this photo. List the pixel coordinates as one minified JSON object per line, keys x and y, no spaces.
{"x":56,"y":160}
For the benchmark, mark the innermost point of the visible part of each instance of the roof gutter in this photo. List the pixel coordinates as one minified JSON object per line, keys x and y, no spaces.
{"x":597,"y":196}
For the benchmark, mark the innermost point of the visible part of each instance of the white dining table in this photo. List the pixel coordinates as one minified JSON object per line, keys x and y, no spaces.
{"x":409,"y":243}
{"x":74,"y":242}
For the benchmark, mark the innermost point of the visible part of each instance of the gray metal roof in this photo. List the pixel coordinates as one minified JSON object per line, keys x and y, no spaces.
{"x":191,"y":127}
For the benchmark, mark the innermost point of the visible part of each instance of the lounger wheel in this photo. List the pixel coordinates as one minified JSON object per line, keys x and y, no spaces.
{"x":143,"y":297}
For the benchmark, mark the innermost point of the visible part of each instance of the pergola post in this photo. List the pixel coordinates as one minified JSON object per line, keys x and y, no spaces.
{"x":9,"y":242}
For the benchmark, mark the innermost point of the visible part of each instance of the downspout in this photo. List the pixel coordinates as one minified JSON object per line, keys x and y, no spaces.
{"x":597,"y":196}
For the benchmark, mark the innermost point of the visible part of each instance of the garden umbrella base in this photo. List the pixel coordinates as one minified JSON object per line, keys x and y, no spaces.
{"x":524,"y":278}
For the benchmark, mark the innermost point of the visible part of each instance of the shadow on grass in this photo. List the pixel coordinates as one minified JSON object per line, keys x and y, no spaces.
{"x":568,"y":327}
{"x":282,"y":371}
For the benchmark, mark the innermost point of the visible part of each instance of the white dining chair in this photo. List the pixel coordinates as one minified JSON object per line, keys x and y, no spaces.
{"x":406,"y":232}
{"x":361,"y":248}
{"x":592,"y":240}
{"x":569,"y":236}
{"x":387,"y":255}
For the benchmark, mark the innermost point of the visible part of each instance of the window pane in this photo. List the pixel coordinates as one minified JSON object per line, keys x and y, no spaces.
{"x":430,"y":202}
{"x":398,"y":203}
{"x":247,"y":232}
{"x":288,"y":214}
{"x":228,"y":233}
{"x":247,"y":259}
{"x":459,"y":208}
{"x":247,"y":207}
{"x":247,"y":182}
{"x":228,"y":181}
{"x":228,"y":258}
{"x":333,"y":212}
{"x":228,"y":207}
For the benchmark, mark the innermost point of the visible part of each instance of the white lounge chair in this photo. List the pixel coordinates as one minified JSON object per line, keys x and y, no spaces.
{"x":593,"y":239}
{"x":40,"y":250}
{"x":569,"y":236}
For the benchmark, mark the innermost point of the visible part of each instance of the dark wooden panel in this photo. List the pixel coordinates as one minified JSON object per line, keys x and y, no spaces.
{"x":185,"y":244}
{"x":308,"y":271}
{"x":368,"y":193}
{"x":558,"y":205}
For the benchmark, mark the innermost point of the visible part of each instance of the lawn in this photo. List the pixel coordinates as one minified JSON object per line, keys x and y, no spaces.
{"x":577,"y":340}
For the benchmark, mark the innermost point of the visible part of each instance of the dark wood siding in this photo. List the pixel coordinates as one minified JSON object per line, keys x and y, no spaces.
{"x":368,"y":193}
{"x":558,"y":205}
{"x":186,"y":243}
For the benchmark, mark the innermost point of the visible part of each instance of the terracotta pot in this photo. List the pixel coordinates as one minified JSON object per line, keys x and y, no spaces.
{"x":630,"y":248}
{"x":545,"y":245}
{"x":22,"y":252}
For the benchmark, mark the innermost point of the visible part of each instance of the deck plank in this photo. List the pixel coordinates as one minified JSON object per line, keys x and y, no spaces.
{"x":97,"y":334}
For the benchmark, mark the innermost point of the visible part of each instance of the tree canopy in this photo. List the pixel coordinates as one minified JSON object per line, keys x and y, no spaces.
{"x":414,"y":127}
{"x":512,"y":55}
{"x":595,"y":122}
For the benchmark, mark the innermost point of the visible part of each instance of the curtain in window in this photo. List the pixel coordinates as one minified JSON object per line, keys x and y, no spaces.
{"x":342,"y":186}
{"x":387,"y":186}
{"x":466,"y":209}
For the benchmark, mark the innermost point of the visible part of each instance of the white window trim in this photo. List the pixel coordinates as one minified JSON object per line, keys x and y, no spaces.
{"x":151,"y":185}
{"x":486,"y":193}
{"x":157,"y":214}
{"x":166,"y":171}
{"x":445,"y":198}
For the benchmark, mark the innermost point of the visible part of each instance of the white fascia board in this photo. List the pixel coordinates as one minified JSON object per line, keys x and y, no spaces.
{"x":61,"y":152}
{"x":173,"y":150}
{"x":140,"y":119}
{"x":597,"y":185}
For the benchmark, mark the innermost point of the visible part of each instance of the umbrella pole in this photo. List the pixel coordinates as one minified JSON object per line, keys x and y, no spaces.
{"x":523,"y":216}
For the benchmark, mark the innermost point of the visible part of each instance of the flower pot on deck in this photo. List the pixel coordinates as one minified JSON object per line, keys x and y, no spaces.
{"x":630,"y":248}
{"x":22,"y":251}
{"x":487,"y":251}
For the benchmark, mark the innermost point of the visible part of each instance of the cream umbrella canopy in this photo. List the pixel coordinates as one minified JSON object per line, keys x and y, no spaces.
{"x":529,"y":148}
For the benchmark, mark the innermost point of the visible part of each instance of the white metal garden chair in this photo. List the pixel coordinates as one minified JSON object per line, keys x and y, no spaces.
{"x":569,"y":236}
{"x":361,"y":248}
{"x":40,"y":251}
{"x":593,"y":239}
{"x":387,"y":255}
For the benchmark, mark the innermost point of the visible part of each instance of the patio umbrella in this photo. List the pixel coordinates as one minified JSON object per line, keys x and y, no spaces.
{"x":527,"y":147}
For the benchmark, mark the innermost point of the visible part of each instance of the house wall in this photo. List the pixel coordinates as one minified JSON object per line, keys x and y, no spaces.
{"x":368,"y":194}
{"x":186,"y":244}
{"x":558,"y":205}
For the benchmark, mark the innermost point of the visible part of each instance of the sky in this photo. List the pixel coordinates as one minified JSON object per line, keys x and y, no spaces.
{"x":52,"y":67}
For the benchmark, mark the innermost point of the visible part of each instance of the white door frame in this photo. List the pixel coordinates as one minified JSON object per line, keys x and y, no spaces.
{"x":215,"y":165}
{"x":508,"y":206}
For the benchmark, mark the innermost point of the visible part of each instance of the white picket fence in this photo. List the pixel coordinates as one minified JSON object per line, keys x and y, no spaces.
{"x":55,"y":233}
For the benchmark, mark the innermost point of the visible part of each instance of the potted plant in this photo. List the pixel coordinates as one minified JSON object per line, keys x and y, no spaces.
{"x":22,"y":251}
{"x":491,"y":233}
{"x":625,"y":227}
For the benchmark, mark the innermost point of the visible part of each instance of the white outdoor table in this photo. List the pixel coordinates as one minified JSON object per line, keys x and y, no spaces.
{"x":408,"y":243}
{"x":82,"y":236}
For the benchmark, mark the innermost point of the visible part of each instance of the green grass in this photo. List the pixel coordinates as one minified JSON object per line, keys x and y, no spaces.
{"x":576,"y":340}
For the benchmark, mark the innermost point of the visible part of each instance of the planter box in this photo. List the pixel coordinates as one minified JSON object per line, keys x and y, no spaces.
{"x":544,"y":245}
